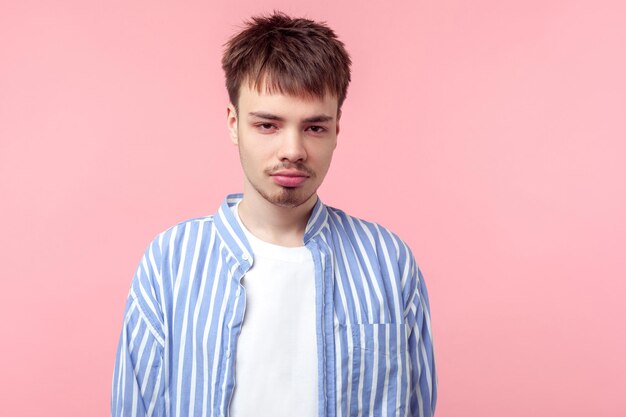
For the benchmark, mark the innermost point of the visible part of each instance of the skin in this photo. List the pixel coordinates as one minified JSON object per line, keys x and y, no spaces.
{"x":281,"y":134}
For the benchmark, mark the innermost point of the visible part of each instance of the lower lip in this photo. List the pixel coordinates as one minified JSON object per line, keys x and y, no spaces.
{"x":286,"y":181}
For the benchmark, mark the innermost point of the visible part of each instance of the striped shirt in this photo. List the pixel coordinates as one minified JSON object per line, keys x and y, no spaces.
{"x":186,"y":305}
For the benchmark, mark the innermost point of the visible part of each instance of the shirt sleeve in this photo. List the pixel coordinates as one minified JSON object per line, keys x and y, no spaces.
{"x":423,"y":373}
{"x":138,"y":381}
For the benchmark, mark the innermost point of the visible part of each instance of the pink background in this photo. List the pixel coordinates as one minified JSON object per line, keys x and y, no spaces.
{"x":490,"y":135}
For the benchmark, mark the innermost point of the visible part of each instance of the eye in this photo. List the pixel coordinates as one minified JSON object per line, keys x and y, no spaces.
{"x":265,"y":127}
{"x":317,"y":129}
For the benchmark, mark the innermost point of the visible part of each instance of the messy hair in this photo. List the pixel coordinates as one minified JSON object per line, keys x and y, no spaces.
{"x":292,"y":56}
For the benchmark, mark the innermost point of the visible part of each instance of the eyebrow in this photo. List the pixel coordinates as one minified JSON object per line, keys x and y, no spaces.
{"x":313,"y":119}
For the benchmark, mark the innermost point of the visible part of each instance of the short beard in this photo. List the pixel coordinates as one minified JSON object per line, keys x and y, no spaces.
{"x":287,"y":197}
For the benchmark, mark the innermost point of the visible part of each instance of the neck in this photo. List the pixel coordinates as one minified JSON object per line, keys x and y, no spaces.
{"x":282,"y":226}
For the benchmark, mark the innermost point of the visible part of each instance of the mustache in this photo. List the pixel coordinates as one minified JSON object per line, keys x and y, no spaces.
{"x":297,"y":166}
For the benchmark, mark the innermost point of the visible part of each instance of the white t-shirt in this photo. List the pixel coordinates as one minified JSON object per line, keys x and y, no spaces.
{"x":276,"y":362}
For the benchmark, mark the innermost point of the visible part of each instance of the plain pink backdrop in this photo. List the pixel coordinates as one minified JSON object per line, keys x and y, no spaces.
{"x":489,"y":134}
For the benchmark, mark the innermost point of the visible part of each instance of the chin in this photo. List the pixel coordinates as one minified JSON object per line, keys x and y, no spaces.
{"x":289,"y":197}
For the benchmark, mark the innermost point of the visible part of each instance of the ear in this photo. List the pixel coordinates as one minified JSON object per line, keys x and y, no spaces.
{"x":337,"y":124}
{"x":231,"y":122}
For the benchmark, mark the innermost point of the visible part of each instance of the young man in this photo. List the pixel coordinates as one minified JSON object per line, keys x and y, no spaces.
{"x":278,"y":305}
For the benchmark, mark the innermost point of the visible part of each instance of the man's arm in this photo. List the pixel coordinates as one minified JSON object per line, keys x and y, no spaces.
{"x":138,"y":379}
{"x":423,"y":374}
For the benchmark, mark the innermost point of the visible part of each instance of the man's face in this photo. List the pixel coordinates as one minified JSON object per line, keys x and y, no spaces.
{"x":285,"y":144}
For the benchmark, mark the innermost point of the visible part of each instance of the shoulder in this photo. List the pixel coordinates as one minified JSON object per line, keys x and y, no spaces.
{"x":391,"y":254}
{"x":383,"y":241}
{"x":166,"y":253}
{"x":183,"y":232}
{"x":388,"y":249}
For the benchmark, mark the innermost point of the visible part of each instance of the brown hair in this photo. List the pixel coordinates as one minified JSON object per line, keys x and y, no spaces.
{"x":297,"y":57}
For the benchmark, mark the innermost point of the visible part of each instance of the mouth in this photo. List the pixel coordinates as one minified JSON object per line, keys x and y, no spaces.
{"x":289,"y":178}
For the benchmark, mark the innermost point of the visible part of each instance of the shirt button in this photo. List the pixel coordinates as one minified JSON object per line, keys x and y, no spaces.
{"x":245,"y":257}
{"x":228,"y":353}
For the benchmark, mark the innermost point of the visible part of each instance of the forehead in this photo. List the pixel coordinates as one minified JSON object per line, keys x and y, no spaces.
{"x":251,"y":100}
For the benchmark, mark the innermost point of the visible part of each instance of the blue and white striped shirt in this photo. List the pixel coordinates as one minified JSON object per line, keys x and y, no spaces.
{"x":185,"y":309}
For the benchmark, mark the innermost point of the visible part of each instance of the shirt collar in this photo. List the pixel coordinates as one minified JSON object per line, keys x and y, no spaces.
{"x":233,"y":236}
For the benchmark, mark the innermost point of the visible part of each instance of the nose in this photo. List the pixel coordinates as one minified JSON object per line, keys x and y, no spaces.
{"x":292,"y":147}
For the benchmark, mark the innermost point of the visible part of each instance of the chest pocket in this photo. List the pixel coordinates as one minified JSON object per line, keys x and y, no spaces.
{"x":372,"y":370}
